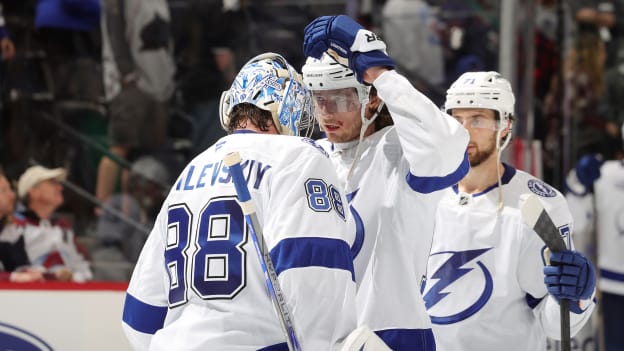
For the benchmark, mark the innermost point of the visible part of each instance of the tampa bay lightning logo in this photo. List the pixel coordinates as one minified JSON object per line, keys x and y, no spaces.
{"x":540,"y":188}
{"x":14,"y":338}
{"x":449,"y":272}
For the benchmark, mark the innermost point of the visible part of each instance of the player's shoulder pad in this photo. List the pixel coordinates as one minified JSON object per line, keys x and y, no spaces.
{"x":531,"y":184}
{"x":316,"y":146}
{"x":554,"y":202}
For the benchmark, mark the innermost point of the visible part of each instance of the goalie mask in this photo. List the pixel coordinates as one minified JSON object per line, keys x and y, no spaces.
{"x":270,"y":83}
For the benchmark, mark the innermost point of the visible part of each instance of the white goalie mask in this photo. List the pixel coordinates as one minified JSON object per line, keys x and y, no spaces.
{"x":270,"y":83}
{"x":327,"y":74}
{"x":483,"y":90}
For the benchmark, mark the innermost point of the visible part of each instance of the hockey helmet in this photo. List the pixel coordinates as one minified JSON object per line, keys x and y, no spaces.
{"x":482,"y":90}
{"x":327,"y":74}
{"x":269,"y":82}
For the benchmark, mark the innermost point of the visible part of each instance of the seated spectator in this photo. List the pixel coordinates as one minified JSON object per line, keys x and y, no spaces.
{"x":48,"y":240}
{"x":121,"y":235}
{"x":10,"y":252}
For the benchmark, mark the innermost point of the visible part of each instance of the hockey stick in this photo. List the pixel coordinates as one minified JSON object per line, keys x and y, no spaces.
{"x":536,"y":217}
{"x":232,"y":161}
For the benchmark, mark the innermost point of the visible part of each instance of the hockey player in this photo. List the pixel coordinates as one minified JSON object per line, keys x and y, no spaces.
{"x":393,"y":173}
{"x":198,"y":283}
{"x":487,"y":286}
{"x":596,"y":197}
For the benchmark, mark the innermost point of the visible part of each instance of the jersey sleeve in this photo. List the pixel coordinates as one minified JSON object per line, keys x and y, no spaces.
{"x":531,"y":276}
{"x":307,"y":234}
{"x":145,"y":307}
{"x":434,"y":144}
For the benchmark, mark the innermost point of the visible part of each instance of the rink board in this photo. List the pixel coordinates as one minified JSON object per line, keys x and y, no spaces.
{"x":62,"y":316}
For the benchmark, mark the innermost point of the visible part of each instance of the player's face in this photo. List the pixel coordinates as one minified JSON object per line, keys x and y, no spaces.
{"x":48,"y":192}
{"x":338,"y":113}
{"x":482,"y":127}
{"x":7,"y":197}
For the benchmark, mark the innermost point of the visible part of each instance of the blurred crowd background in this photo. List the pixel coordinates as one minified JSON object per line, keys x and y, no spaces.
{"x":564,"y":58}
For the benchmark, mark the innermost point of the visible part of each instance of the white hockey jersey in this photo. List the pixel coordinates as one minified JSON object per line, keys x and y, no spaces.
{"x":198,"y":284}
{"x":609,"y":212}
{"x":485,"y":284}
{"x":393,"y":192}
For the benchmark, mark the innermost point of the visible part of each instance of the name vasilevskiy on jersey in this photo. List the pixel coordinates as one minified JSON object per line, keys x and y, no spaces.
{"x":197,"y":177}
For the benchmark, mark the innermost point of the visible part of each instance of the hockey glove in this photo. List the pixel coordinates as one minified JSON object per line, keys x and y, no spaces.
{"x":588,"y":170}
{"x":571,"y":276}
{"x":347,"y":42}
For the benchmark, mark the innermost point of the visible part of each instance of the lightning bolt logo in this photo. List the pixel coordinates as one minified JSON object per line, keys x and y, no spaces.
{"x":449,"y":272}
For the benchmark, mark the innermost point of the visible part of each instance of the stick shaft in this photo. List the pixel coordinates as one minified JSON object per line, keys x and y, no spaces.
{"x":232,"y":161}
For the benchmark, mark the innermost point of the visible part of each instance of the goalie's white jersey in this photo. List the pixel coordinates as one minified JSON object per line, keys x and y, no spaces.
{"x":393,"y":192}
{"x":198,"y":284}
{"x":609,"y":212}
{"x":485,"y":284}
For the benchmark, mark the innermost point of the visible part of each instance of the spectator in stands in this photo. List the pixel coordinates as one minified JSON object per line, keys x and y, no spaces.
{"x":209,"y":33}
{"x":411,"y":31}
{"x":121,"y":235}
{"x":49,"y":241}
{"x":138,"y":68}
{"x":64,"y":30}
{"x":7,"y":251}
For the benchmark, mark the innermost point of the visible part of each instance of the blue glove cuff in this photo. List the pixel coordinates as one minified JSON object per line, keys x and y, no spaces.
{"x":361,"y":61}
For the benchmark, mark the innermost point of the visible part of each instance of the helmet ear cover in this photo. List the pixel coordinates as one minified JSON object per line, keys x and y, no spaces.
{"x":268,"y":82}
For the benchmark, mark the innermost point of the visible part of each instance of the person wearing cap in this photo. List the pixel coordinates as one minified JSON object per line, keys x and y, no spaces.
{"x":9,"y":252}
{"x":48,"y":240}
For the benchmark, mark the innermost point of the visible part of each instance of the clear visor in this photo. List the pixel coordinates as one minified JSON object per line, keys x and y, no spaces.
{"x":478,"y":122}
{"x":336,"y":101}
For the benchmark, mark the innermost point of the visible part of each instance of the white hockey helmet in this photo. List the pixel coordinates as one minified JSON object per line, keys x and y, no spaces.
{"x":327,"y":74}
{"x":482,"y":90}
{"x":269,"y":82}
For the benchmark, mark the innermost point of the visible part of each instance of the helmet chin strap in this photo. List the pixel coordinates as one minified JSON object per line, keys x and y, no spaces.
{"x":499,"y":151}
{"x":365,"y":124}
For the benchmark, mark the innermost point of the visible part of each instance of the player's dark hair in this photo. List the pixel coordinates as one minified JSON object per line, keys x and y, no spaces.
{"x":245,"y":113}
{"x":384,"y":119}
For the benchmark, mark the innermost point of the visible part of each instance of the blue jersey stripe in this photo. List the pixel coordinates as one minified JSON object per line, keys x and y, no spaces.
{"x":277,"y":347}
{"x":611,"y":275}
{"x":426,"y":185}
{"x":143,"y":317}
{"x":408,"y":339}
{"x":312,"y":252}
{"x":532,"y":301}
